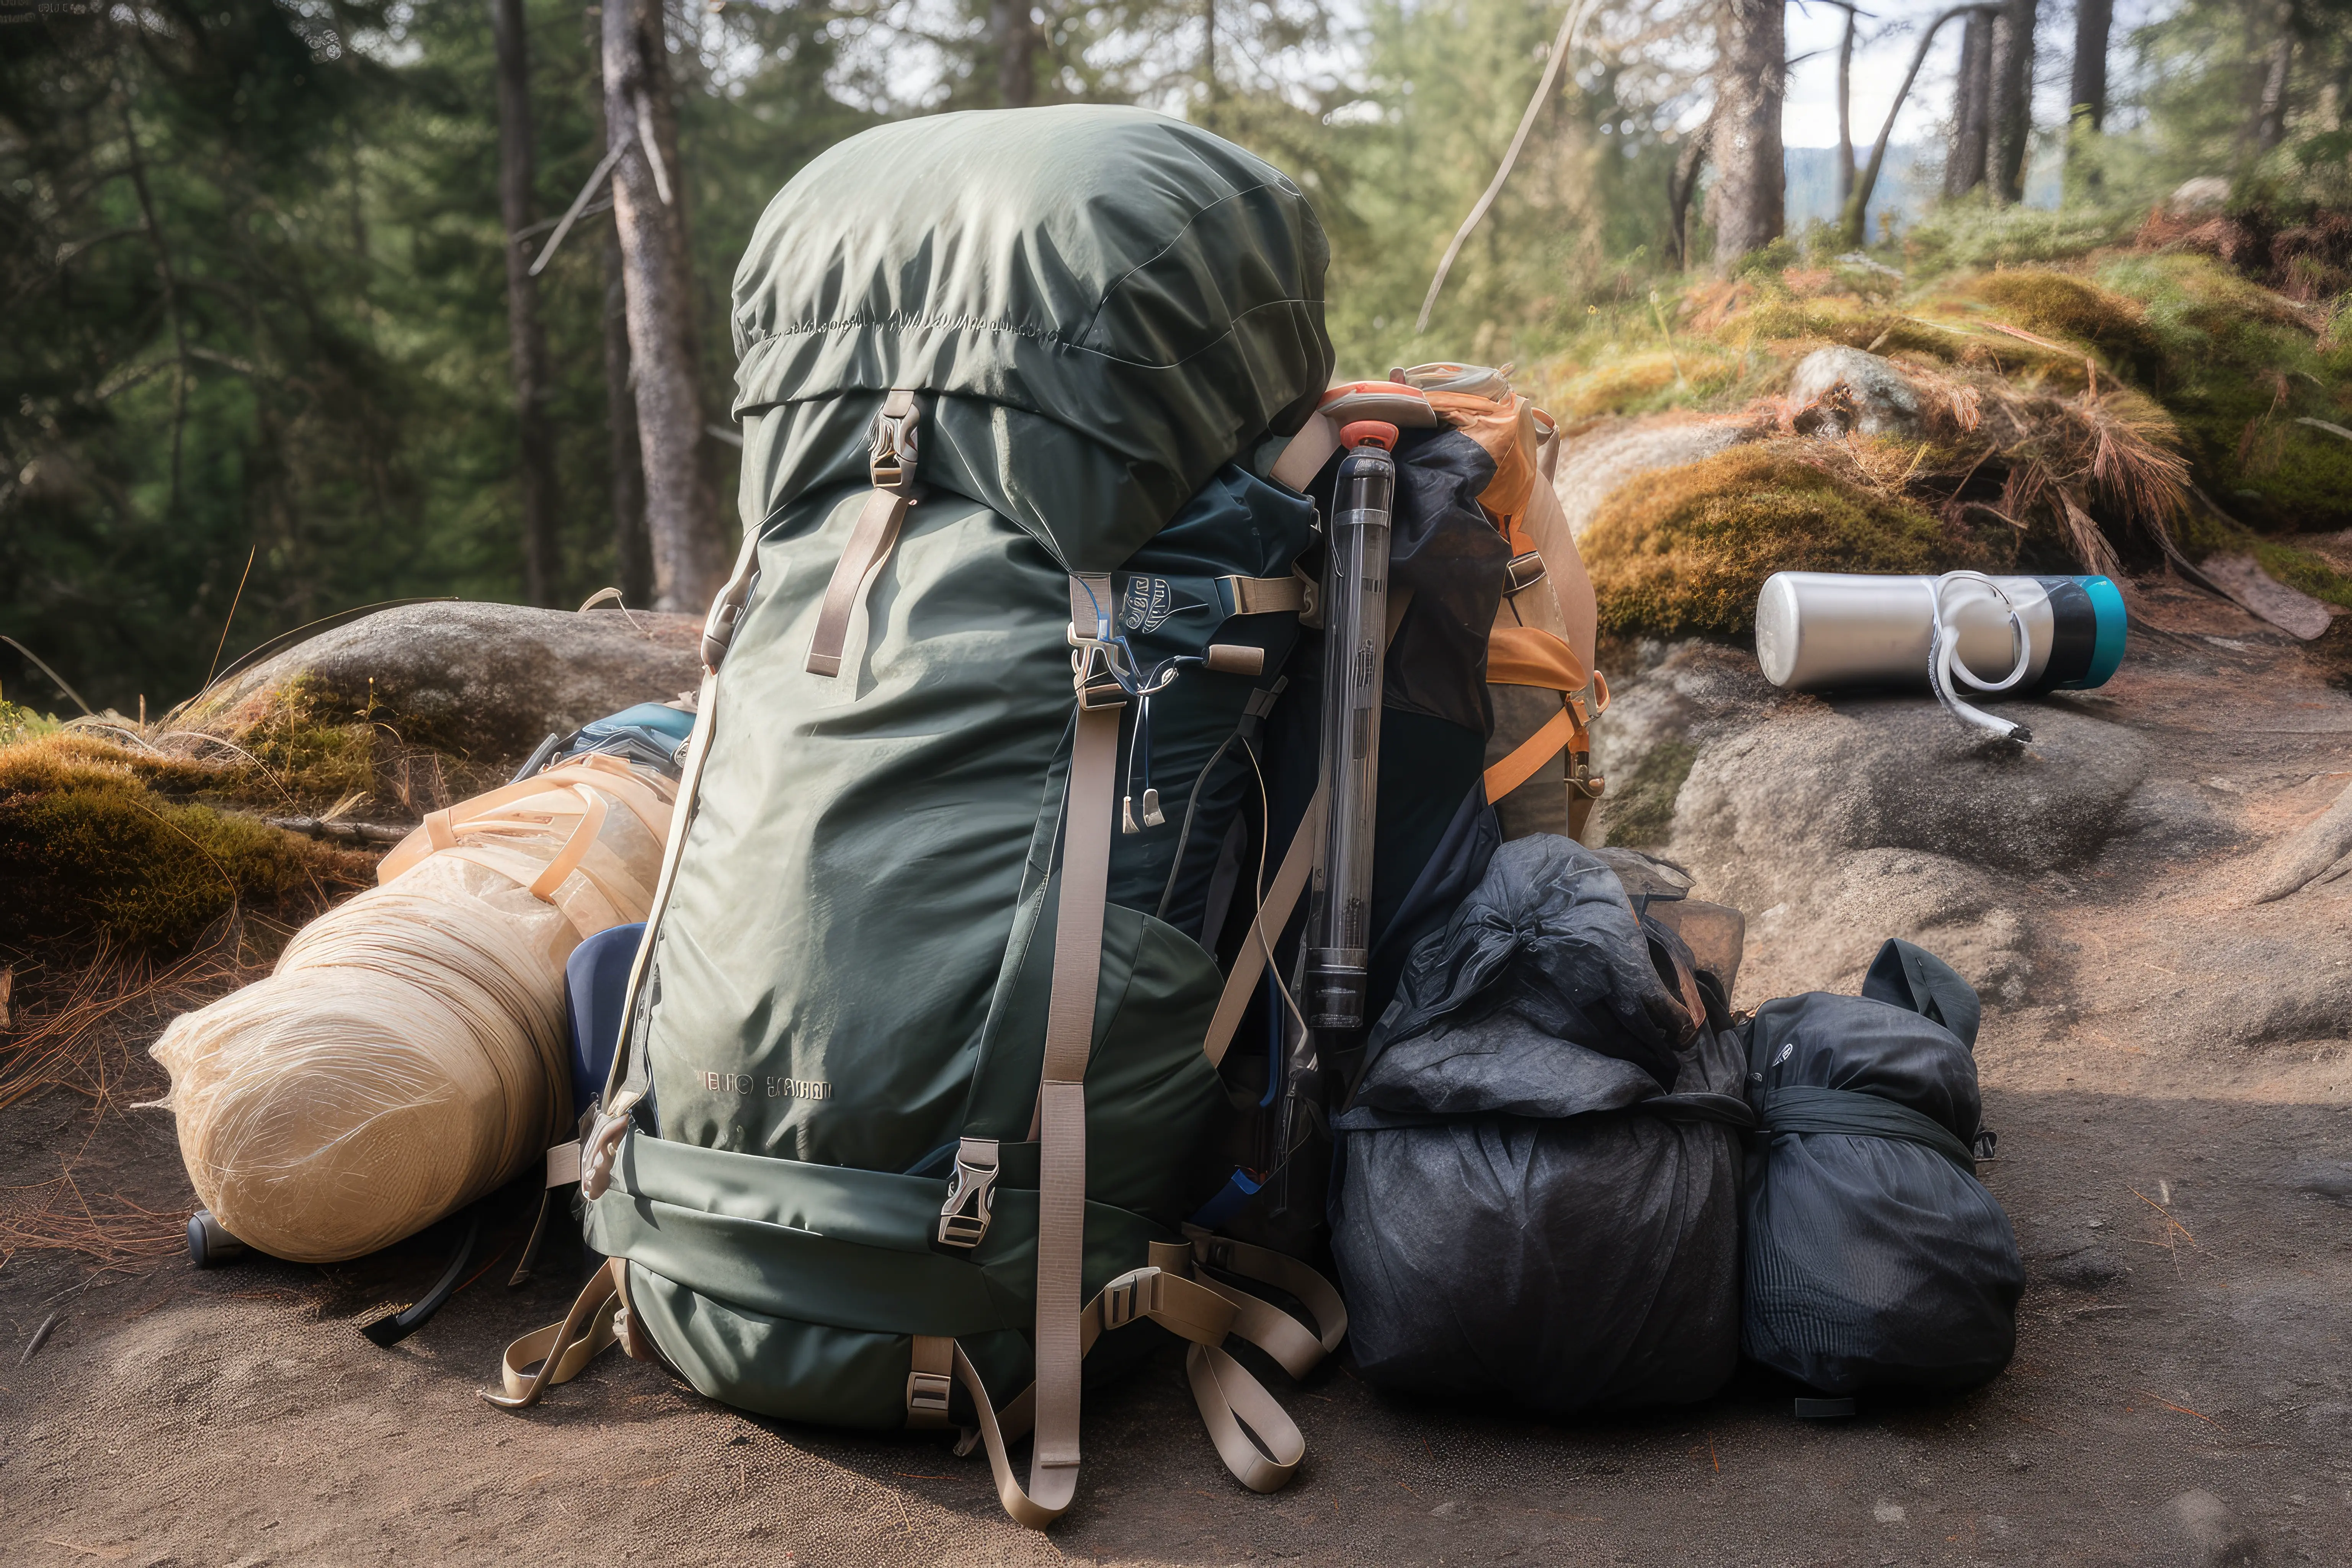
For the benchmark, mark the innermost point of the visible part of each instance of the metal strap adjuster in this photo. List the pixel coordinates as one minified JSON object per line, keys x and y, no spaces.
{"x":1129,"y":1296}
{"x":964,"y":1216}
{"x":1090,"y":674}
{"x":1581,"y":778}
{"x":894,"y":446}
{"x":927,"y":1395}
{"x":1523,"y":573}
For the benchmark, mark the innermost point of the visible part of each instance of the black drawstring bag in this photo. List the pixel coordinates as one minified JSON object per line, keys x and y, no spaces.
{"x":1539,"y":1187}
{"x":1875,"y":1259}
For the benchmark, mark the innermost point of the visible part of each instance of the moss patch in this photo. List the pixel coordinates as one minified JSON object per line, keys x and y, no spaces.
{"x":1641,"y":810}
{"x":87,"y":848}
{"x":2242,"y":366}
{"x":1684,"y":551}
{"x":2052,"y":304}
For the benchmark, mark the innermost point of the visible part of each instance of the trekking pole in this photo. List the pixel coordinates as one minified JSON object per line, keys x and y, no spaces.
{"x":1355,"y":648}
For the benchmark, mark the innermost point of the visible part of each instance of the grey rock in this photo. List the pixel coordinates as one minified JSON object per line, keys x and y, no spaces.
{"x":1594,"y":464}
{"x":2325,"y":1181}
{"x":1677,"y":697}
{"x":2174,"y":819}
{"x":486,"y":681}
{"x":1898,"y":773}
{"x":1879,"y":398}
{"x":1823,"y":918}
{"x":2085,"y":1267}
{"x":2204,"y":193}
{"x":2204,"y":1533}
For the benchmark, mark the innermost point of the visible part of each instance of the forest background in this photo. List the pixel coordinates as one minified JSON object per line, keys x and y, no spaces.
{"x":255,"y":357}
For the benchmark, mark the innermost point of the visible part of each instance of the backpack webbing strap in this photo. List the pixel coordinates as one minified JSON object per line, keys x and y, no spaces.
{"x":627,"y":1081}
{"x":1529,"y":656}
{"x":1803,"y":1108}
{"x":561,"y":1349}
{"x":1255,"y":1437}
{"x":1069,"y":1041}
{"x":1265,"y":929}
{"x":891,"y":464}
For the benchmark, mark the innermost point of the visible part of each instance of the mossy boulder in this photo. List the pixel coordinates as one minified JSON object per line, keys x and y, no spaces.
{"x":415,"y":706}
{"x":1685,"y":550}
{"x":94,"y":842}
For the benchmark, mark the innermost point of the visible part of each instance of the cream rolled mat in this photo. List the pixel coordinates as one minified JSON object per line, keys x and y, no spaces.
{"x":408,"y":1053}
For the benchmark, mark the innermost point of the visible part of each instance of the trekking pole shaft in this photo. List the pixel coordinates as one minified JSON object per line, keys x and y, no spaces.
{"x":1355,"y":646}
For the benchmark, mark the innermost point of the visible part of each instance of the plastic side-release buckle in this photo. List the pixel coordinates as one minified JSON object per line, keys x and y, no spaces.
{"x":964,"y":1216}
{"x":1129,"y":1296}
{"x":927,"y":1395}
{"x":1523,"y":573}
{"x":894,"y":447}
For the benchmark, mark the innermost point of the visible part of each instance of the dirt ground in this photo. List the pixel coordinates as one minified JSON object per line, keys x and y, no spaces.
{"x":2175,"y":1110}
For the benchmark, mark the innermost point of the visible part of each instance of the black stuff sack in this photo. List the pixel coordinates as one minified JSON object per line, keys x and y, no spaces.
{"x":1539,"y":1187}
{"x":1875,"y":1257}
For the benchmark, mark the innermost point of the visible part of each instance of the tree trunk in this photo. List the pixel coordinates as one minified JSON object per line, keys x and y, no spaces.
{"x":1964,"y":164}
{"x":1857,"y":206}
{"x":2088,"y":97}
{"x":1845,"y":108}
{"x":1682,"y":182}
{"x":1751,"y":79}
{"x":2269,"y":111}
{"x":690,"y":555}
{"x":1015,"y":38}
{"x":526,"y":343}
{"x":1209,"y":49}
{"x":2012,"y":131}
{"x":624,"y":463}
{"x":632,"y":554}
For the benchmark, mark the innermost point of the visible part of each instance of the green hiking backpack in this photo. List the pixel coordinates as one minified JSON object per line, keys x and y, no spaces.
{"x":919,"y":1081}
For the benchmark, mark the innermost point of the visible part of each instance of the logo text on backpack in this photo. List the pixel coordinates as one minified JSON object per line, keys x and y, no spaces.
{"x":1147,"y":601}
{"x":774,"y":1088}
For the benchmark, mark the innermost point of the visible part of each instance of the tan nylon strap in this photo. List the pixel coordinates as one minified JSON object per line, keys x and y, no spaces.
{"x":1034,"y":1512}
{"x":560,"y":1350}
{"x":1274,"y":913}
{"x":1229,"y":1400}
{"x":1308,"y":452}
{"x":1265,"y":596}
{"x":575,"y":847}
{"x":931,"y":1365}
{"x":1282,"y":1271}
{"x":625,"y":1083}
{"x":1062,"y":1095}
{"x":869,"y":544}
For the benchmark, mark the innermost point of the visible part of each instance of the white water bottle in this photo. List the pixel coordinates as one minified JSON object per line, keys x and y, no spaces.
{"x":1823,"y":631}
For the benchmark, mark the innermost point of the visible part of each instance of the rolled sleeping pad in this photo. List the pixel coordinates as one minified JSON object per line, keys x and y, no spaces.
{"x":1824,"y":631}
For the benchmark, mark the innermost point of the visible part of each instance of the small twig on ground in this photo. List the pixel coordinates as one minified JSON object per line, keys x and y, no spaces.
{"x":2182,"y":1408}
{"x":40,"y":1338}
{"x":343,"y":832}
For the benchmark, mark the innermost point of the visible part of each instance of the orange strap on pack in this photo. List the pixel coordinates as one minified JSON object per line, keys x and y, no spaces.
{"x":1529,"y":656}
